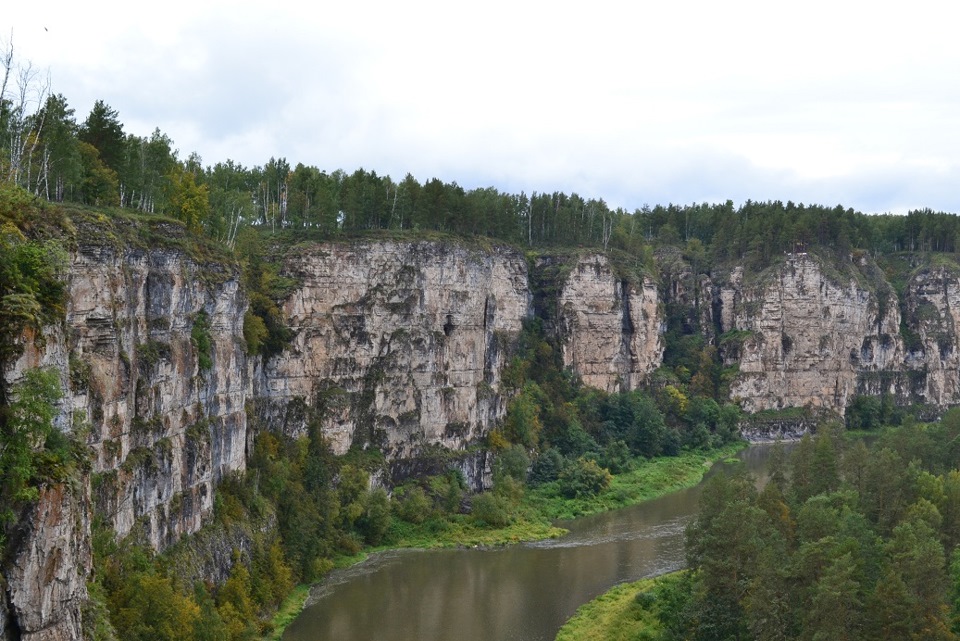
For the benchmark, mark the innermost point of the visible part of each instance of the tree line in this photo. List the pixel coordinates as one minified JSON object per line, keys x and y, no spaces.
{"x":52,"y":154}
{"x":843,"y":542}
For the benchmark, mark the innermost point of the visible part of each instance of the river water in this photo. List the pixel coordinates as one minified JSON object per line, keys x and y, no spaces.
{"x":515,"y":593}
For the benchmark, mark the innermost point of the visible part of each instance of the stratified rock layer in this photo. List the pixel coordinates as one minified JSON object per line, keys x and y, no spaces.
{"x":609,"y":326}
{"x":397,"y":344}
{"x":807,"y":338}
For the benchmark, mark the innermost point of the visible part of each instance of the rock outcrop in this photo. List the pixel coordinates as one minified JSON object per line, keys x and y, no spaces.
{"x":805,"y":338}
{"x":166,"y":428}
{"x":46,"y":583}
{"x":399,"y":345}
{"x":610,"y":327}
{"x":930,"y":372}
{"x":163,"y":429}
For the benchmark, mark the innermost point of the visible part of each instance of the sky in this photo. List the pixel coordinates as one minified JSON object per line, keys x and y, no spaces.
{"x":850,"y":103}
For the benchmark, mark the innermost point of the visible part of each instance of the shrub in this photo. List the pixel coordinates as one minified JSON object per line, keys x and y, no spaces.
{"x":512,"y":462}
{"x":547,"y":467}
{"x":492,"y":509}
{"x":582,"y":477}
{"x":202,"y":341}
{"x":411,"y":504}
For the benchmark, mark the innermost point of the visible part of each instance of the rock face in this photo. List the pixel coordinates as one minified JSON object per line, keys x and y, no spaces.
{"x":805,"y":340}
{"x":47,"y":581}
{"x":610,"y":327}
{"x":931,"y":368}
{"x":397,"y":344}
{"x":402,"y":346}
{"x":163,"y":430}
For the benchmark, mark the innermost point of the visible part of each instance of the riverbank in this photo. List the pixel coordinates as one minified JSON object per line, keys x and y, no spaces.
{"x":535,"y":515}
{"x":627,"y":611}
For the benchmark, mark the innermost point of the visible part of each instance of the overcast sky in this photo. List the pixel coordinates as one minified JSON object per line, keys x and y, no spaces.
{"x":850,"y":103}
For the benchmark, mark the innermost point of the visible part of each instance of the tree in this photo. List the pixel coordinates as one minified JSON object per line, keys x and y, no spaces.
{"x":61,"y":166}
{"x":834,"y":613}
{"x":102,"y":129}
{"x":22,"y":95}
{"x":25,"y":430}
{"x":147,"y":165}
{"x":99,"y":185}
{"x":189,"y":201}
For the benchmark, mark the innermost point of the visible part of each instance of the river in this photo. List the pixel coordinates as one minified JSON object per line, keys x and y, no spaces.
{"x":516,"y":593}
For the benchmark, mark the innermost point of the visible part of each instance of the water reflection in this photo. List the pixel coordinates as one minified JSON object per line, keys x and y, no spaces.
{"x":522,"y":592}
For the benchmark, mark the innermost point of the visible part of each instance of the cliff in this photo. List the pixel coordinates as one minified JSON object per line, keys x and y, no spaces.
{"x":930,"y":372}
{"x":609,"y":326}
{"x":397,"y":345}
{"x":163,"y":429}
{"x":400,"y":345}
{"x":805,"y":336}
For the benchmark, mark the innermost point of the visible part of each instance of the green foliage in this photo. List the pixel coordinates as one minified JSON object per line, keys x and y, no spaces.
{"x":31,"y":285}
{"x":850,"y":547}
{"x":547,"y":467}
{"x":32,"y":451}
{"x":493,"y":509}
{"x":628,"y":612}
{"x":581,"y":478}
{"x":264,"y":328}
{"x":202,"y":341}
{"x":512,"y":462}
{"x":188,"y":201}
{"x":411,"y":504}
{"x":255,"y":332}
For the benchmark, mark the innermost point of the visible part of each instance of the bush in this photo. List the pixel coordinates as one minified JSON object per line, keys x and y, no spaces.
{"x":375,"y":520}
{"x":492,"y":509}
{"x":582,"y":477}
{"x":616,"y":457}
{"x":512,"y":462}
{"x":411,"y":504}
{"x":547,"y":467}
{"x":202,"y":341}
{"x":447,"y":490}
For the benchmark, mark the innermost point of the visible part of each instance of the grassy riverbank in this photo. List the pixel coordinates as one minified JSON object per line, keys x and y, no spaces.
{"x":648,"y":480}
{"x":626,"y":612}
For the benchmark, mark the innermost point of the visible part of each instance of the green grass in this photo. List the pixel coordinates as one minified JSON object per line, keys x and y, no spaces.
{"x":650,"y":480}
{"x":617,"y":615}
{"x":289,"y":610}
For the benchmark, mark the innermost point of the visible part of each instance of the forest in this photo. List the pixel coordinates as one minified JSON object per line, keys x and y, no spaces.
{"x":845,"y":541}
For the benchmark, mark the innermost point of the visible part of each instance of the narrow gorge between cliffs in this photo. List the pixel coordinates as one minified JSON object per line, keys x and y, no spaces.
{"x":523,"y":592}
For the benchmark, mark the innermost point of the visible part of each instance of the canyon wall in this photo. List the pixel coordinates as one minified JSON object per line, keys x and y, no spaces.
{"x":162,"y":428}
{"x":609,"y":327}
{"x":398,"y":345}
{"x":401,"y":346}
{"x":806,"y":336}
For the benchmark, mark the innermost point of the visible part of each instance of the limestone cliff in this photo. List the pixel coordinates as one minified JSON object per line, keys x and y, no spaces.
{"x":803,"y":337}
{"x":932,"y":358}
{"x":399,"y":345}
{"x":46,"y":582}
{"x":610,"y":327}
{"x":162,"y":429}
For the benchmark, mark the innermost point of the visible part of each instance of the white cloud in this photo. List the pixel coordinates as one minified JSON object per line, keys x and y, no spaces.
{"x":827,"y":102}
